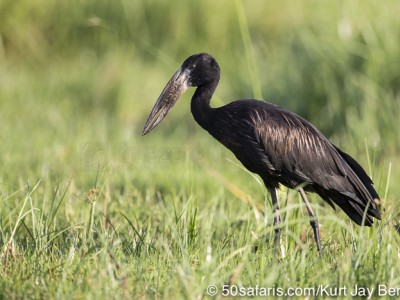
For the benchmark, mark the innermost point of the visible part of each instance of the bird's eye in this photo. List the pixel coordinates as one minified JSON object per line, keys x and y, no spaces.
{"x":193,"y":66}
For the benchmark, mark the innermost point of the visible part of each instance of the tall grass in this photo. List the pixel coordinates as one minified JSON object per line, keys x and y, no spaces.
{"x":90,"y":209}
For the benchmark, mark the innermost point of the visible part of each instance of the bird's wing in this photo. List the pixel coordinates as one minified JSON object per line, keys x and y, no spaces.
{"x":297,"y":149}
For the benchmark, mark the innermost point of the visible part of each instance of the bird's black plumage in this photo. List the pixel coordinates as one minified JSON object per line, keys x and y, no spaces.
{"x":284,"y":148}
{"x":280,"y":146}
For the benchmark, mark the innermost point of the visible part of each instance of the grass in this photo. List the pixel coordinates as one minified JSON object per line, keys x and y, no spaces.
{"x":91,"y":209}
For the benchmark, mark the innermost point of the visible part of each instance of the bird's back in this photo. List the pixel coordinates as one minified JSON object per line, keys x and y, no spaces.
{"x":282,"y":147}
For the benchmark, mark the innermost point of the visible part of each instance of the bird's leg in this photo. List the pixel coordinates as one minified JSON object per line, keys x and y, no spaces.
{"x":277,"y":217}
{"x":313,"y":220}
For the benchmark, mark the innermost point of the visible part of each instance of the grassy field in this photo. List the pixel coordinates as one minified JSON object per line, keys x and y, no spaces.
{"x":90,"y":209}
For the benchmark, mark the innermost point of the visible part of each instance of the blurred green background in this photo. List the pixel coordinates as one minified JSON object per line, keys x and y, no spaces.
{"x":80,"y":75}
{"x":78,"y":79}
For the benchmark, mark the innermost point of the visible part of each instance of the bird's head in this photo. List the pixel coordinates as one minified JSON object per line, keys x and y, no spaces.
{"x":197,"y":70}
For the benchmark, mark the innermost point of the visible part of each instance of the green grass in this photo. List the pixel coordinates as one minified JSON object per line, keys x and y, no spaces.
{"x":91,"y":209}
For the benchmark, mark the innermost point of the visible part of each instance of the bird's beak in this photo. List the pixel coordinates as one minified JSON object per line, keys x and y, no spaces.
{"x":174,"y":89}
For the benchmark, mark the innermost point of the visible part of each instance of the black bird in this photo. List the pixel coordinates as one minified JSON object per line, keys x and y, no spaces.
{"x":278,"y":145}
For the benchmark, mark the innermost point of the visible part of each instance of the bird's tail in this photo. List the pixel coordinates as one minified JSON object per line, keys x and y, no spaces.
{"x":361,"y":212}
{"x":361,"y":205}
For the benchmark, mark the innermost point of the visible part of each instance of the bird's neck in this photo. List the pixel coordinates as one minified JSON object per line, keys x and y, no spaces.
{"x":200,"y":105}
